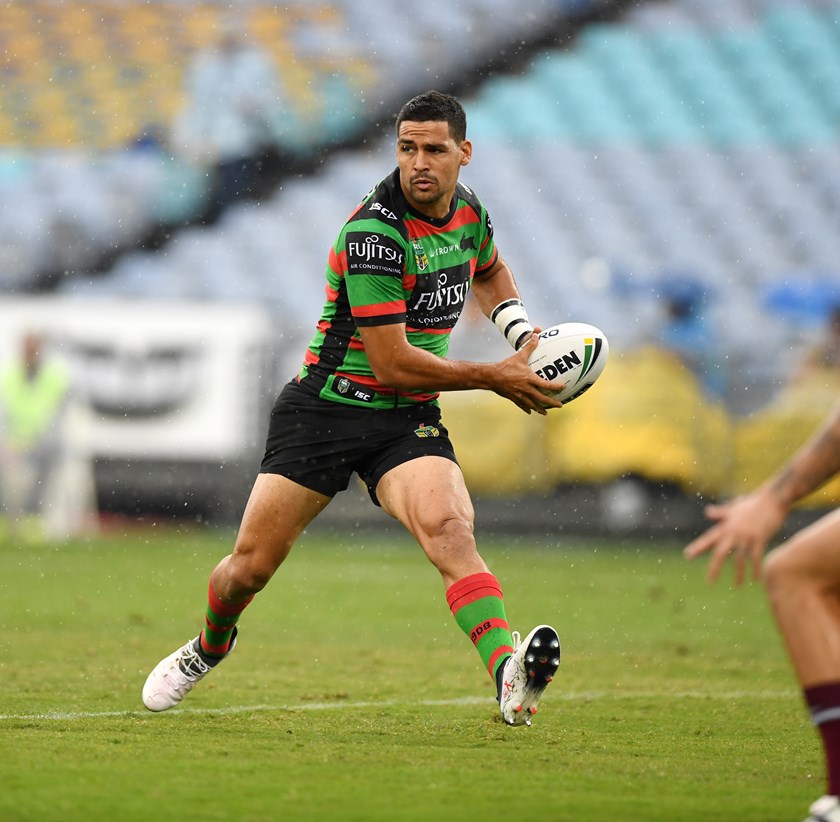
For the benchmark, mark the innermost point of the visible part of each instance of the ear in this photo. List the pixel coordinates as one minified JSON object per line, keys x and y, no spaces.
{"x":466,"y":152}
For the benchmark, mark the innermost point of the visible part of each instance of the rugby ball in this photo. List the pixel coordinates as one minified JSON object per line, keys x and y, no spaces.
{"x":574,"y":353}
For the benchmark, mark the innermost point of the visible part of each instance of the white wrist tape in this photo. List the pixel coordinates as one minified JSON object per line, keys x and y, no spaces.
{"x":511,"y":319}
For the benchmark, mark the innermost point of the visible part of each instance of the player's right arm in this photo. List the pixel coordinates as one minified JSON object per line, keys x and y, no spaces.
{"x":397,"y":363}
{"x":746,"y":524}
{"x":374,"y":264}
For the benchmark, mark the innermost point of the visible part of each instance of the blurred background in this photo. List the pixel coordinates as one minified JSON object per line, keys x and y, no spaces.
{"x":172,"y":174}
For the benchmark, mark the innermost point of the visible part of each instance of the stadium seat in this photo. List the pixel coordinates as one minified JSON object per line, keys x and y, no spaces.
{"x":694,"y":134}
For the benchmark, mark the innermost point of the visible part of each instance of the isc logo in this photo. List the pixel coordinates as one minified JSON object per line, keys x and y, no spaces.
{"x":561,"y":365}
{"x":381,"y":208}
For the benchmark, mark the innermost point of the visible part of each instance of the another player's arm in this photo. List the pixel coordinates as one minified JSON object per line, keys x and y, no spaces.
{"x":746,"y":524}
{"x":397,"y":363}
{"x":815,"y":463}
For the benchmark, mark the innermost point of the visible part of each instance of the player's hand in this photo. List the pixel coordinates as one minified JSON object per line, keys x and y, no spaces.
{"x":743,"y":528}
{"x":519,"y":383}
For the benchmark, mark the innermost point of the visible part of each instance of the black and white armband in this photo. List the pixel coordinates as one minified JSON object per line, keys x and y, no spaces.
{"x":511,"y":319}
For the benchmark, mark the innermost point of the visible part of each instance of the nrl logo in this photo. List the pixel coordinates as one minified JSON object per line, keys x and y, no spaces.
{"x":420,"y":255}
{"x":343,"y":385}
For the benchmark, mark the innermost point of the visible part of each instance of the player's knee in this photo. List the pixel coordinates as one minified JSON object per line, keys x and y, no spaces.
{"x":250,"y":571}
{"x":252,"y":577}
{"x":450,"y":529}
{"x":784,"y":571}
{"x":773,"y":572}
{"x":449,"y":544}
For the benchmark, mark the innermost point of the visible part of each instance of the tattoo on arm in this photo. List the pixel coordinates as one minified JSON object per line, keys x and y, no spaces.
{"x":815,"y":463}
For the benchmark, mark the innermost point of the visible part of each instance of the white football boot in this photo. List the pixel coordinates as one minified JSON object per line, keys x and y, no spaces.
{"x":825,"y":809}
{"x":176,"y":675}
{"x":527,"y":672}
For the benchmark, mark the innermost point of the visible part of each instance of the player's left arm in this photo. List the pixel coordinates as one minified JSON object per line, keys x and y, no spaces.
{"x":494,"y":286}
{"x":498,"y":296}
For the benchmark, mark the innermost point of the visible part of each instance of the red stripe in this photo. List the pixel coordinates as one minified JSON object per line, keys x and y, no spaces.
{"x":375,"y":310}
{"x":463,"y":216}
{"x":215,"y":650}
{"x":309,"y":358}
{"x":216,"y":629}
{"x":470,"y":582}
{"x":471,"y":588}
{"x":356,"y":210}
{"x":431,"y":330}
{"x":495,"y":622}
{"x":364,"y":380}
{"x":485,"y":268}
{"x":334,"y":261}
{"x":502,"y":649}
{"x":370,"y":382}
{"x":224,"y":608}
{"x":472,"y":596}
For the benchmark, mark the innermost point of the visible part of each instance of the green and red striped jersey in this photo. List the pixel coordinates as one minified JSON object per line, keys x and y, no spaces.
{"x":393,"y":265}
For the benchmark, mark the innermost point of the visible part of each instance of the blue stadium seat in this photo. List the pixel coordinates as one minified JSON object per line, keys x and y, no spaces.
{"x":695,"y":134}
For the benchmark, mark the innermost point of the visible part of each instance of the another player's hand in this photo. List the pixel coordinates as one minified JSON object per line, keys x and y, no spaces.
{"x":744,"y":527}
{"x":520,"y":384}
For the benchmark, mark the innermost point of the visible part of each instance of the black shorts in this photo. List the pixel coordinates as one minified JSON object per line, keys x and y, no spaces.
{"x":319,"y":444}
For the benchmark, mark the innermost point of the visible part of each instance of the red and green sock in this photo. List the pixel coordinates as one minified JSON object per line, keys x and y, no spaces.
{"x":219,"y":622}
{"x":478,"y":606}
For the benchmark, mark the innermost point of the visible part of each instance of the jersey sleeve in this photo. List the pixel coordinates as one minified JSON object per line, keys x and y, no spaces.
{"x":375,"y":264}
{"x":487,"y":253}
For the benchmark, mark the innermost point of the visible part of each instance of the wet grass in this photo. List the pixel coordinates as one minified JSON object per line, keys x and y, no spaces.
{"x":352,"y":695}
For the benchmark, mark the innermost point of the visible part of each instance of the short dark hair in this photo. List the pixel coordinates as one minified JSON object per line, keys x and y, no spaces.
{"x":438,"y":106}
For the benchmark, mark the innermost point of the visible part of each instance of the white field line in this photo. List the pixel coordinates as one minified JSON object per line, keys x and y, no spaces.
{"x":584,"y":696}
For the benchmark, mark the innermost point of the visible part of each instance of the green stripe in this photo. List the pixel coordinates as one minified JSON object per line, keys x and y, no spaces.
{"x":474,"y":614}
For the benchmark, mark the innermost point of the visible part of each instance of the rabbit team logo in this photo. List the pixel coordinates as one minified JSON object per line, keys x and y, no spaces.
{"x":467,"y":244}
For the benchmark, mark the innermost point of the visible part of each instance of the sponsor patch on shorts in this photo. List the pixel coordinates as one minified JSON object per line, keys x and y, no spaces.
{"x":349,"y":388}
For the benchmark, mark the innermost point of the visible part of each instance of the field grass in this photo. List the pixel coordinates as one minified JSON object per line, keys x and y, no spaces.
{"x":352,"y":695}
